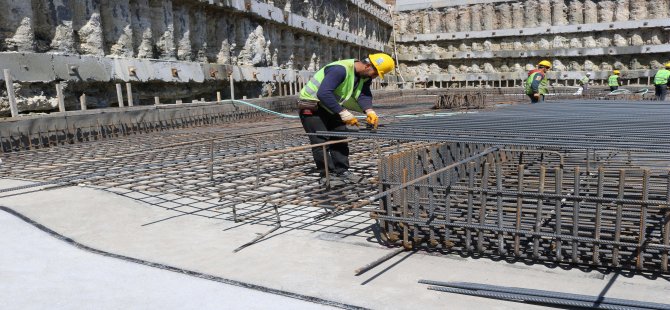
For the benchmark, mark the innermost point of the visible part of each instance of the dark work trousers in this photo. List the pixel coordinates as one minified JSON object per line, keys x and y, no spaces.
{"x":613,"y":88}
{"x":338,"y":153}
{"x":661,"y":92}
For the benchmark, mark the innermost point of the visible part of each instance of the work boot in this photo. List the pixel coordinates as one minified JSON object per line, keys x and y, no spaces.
{"x":345,"y":178}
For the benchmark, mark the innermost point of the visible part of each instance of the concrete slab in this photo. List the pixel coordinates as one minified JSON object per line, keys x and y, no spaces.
{"x":39,"y":272}
{"x":312,"y":262}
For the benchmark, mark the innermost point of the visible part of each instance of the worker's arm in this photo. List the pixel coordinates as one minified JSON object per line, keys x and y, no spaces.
{"x":535,"y":85}
{"x":333,"y":76}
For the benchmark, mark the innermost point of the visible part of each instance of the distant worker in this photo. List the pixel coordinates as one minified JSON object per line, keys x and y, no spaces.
{"x":584,"y":83}
{"x":537,"y":83}
{"x":614,"y":81}
{"x":661,"y":81}
{"x":324,"y":105}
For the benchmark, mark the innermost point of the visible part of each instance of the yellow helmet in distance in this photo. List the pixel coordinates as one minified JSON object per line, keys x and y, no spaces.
{"x":545,"y":63}
{"x":382,"y":62}
{"x":617,"y":72}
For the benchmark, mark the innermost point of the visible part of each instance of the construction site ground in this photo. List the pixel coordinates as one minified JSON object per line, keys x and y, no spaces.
{"x":90,"y":246}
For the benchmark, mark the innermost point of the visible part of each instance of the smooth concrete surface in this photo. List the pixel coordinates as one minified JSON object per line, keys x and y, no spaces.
{"x":311,"y":262}
{"x":38,"y":271}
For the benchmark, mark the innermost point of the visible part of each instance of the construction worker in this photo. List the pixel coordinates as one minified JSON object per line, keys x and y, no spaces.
{"x":325,"y":104}
{"x":661,"y":82}
{"x":584,"y":82}
{"x":537,"y":83}
{"x":614,"y":81}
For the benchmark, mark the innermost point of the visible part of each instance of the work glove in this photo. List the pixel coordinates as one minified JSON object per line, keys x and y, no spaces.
{"x":372,"y":118}
{"x":348,"y":118}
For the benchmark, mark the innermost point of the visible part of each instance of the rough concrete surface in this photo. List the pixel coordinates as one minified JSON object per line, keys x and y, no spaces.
{"x":318,"y":263}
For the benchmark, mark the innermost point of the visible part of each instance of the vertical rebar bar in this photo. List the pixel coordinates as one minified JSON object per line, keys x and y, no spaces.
{"x":666,"y":226}
{"x":575,"y":217}
{"x":499,"y":206}
{"x":325,"y":165}
{"x":643,"y":219}
{"x":599,"y":194}
{"x":519,"y":205}
{"x":403,"y":201}
{"x":211,"y":160}
{"x":538,"y":214}
{"x":471,"y":184}
{"x":617,"y":224}
{"x":482,"y":210}
{"x":559,"y":217}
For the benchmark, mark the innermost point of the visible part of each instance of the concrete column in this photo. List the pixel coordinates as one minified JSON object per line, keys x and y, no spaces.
{"x":575,"y":13}
{"x":450,"y":20}
{"x":475,"y":17}
{"x":157,"y":100}
{"x":590,"y":12}
{"x":517,"y":15}
{"x":117,"y":27}
{"x":141,"y":26}
{"x":16,"y":25}
{"x":531,"y":14}
{"x":621,"y":11}
{"x":559,"y":13}
{"x":63,"y":38}
{"x":183,"y":32}
{"x":9,"y":83}
{"x":464,"y":21}
{"x":87,"y":22}
{"x":162,"y":28}
{"x":489,"y":20}
{"x":503,"y":16}
{"x":544,"y":13}
{"x":198,"y":27}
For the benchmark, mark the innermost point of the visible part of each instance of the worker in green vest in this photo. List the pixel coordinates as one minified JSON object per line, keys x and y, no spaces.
{"x":326,"y":102}
{"x":614,"y":81}
{"x":661,"y":81}
{"x":584,"y":83}
{"x":537,"y":83}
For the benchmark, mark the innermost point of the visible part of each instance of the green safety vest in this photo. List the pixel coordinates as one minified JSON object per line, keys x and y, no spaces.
{"x":542,"y":89}
{"x":613,"y":80}
{"x":584,"y":80}
{"x":346,"y":93}
{"x":661,"y":77}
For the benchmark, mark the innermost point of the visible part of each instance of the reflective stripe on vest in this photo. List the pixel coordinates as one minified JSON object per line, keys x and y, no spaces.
{"x":613,"y":80}
{"x":661,"y":77}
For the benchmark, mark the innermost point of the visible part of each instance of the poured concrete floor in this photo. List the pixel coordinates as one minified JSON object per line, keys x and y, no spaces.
{"x":38,"y":272}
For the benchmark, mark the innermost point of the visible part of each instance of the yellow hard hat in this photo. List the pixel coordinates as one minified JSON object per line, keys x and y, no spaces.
{"x":616,"y":72}
{"x":545,"y":63}
{"x":667,"y":64}
{"x":382,"y":62}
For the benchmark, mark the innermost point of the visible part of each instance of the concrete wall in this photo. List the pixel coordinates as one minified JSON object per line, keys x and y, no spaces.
{"x":89,"y":42}
{"x":493,"y":40}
